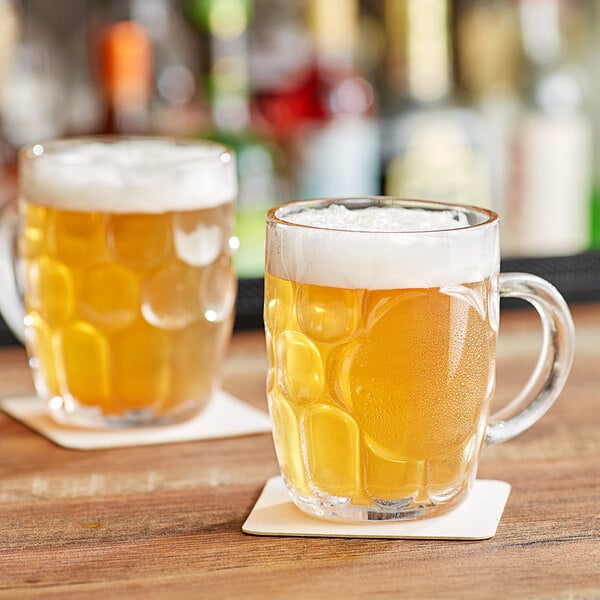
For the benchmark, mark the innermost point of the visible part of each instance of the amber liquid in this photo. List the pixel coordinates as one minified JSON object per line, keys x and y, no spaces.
{"x":127,"y":314}
{"x":379,"y":397}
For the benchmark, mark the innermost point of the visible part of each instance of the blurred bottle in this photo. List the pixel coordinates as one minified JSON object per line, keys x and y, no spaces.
{"x":593,"y":69}
{"x":280,"y":61}
{"x":432,"y":147}
{"x":177,"y":107}
{"x":9,"y":36}
{"x":324,"y":111}
{"x":33,"y":90}
{"x":225,"y":25}
{"x":84,"y":112}
{"x":339,"y":150}
{"x":125,"y":64}
{"x":490,"y":75}
{"x":548,"y":210}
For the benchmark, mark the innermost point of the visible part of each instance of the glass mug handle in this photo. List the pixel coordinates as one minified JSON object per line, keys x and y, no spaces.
{"x":11,"y":303}
{"x":554,"y":362}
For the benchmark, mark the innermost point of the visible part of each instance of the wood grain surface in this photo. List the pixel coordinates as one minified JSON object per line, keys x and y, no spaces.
{"x":165,"y":521}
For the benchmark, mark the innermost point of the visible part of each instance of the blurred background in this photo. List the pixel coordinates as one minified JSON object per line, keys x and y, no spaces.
{"x":488,"y":102}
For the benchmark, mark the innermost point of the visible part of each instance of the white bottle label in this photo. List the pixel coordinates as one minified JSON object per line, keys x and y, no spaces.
{"x":548,"y":209}
{"x":341,"y":158}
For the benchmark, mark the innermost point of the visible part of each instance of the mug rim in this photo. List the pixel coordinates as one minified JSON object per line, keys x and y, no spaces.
{"x":489,"y":217}
{"x":135,"y":174}
{"x":50,"y":149}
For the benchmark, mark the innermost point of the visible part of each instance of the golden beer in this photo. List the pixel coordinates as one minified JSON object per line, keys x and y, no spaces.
{"x":381,"y":355}
{"x":128,"y":312}
{"x":379,"y":396}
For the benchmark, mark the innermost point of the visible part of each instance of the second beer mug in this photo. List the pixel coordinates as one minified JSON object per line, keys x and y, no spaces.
{"x":381,"y":319}
{"x":128,"y":284}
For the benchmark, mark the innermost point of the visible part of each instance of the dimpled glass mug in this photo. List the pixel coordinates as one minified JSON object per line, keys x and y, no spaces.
{"x":125,"y":260}
{"x":381,"y":320}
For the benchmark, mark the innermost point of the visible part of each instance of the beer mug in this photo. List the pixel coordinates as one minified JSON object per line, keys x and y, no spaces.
{"x":125,"y":263}
{"x":381,"y":320}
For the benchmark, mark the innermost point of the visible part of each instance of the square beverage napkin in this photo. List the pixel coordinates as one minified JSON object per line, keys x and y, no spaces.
{"x":476,"y":518}
{"x":224,"y":416}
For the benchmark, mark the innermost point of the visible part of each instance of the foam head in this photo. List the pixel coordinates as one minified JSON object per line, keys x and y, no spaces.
{"x":382,"y":246}
{"x":143,"y":175}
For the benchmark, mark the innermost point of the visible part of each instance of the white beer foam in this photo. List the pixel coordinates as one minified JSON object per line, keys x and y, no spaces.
{"x":376,"y":218}
{"x":382,"y":248}
{"x":129,"y":176}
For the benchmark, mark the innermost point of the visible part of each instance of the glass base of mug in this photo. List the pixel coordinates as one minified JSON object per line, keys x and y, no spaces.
{"x":67,"y":411}
{"x":401,"y":509}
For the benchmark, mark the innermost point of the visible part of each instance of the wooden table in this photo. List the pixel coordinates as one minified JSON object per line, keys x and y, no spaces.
{"x":164,"y":521}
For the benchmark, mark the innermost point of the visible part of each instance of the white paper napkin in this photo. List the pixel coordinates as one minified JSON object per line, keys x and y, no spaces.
{"x":225,"y":416}
{"x":476,"y":518}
